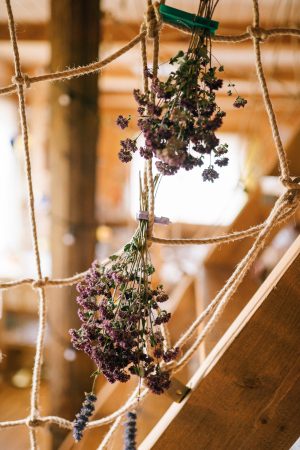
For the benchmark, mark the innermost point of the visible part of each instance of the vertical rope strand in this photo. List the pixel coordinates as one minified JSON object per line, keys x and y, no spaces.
{"x":33,"y":438}
{"x":149,"y":163}
{"x":146,"y":92}
{"x":145,"y":64}
{"x":35,"y":390}
{"x":284,"y":168}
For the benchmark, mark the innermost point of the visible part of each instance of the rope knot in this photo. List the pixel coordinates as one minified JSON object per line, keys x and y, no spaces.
{"x":291,"y":183}
{"x":257,"y":33}
{"x":33,"y":422}
{"x":153,"y":20}
{"x":21,"y":80}
{"x":40,"y":283}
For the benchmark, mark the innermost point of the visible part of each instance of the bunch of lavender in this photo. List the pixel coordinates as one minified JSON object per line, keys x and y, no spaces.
{"x":130,"y":431}
{"x":179,"y":118}
{"x":121,"y":314}
{"x":83,"y":416}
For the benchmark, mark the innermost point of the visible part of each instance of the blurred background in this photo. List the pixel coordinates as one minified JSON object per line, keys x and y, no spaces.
{"x":86,"y":199}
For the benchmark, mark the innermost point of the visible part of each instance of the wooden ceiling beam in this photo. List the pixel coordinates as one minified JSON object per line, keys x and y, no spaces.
{"x":115,"y":31}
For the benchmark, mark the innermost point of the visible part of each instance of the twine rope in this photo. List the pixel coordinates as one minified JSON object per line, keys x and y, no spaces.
{"x":22,"y":80}
{"x":283,"y":209}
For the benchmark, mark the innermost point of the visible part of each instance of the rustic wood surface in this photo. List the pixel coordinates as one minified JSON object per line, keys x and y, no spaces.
{"x":250,"y":399}
{"x":72,"y":157}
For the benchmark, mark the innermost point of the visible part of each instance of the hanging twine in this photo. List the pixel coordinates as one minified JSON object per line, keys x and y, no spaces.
{"x":283,"y":209}
{"x":153,"y":21}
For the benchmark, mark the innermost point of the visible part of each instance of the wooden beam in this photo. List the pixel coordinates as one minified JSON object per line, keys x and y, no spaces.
{"x":211,"y":280}
{"x":27,"y":31}
{"x":247,"y":392}
{"x":116,"y":31}
{"x":73,"y":144}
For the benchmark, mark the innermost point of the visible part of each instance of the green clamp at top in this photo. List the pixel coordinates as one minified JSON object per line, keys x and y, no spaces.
{"x":178,"y":17}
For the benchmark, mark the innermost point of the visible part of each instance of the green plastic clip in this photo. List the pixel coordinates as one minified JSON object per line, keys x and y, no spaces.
{"x":178,"y":17}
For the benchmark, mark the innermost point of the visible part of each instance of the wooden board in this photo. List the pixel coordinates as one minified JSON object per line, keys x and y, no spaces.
{"x":246,"y":395}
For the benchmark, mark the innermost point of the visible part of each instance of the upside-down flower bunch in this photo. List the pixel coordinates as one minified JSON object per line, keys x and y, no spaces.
{"x":121,"y":314}
{"x":179,"y":117}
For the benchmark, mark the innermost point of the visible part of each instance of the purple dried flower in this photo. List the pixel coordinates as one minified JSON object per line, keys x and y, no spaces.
{"x":158,"y":381}
{"x":170,"y":354}
{"x":163,"y":317}
{"x":140,"y":98}
{"x":129,"y":145}
{"x":146,"y":152}
{"x":162,"y":297}
{"x":165,"y":169}
{"x":240,"y":102}
{"x":122,"y":122}
{"x":222,"y":162}
{"x":210,"y":174}
{"x":125,"y":156}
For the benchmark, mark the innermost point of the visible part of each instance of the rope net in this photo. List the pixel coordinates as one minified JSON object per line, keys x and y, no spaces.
{"x":283,"y":209}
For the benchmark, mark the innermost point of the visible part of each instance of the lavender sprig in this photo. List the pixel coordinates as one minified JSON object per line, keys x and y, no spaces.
{"x":83,"y":416}
{"x":130,"y":431}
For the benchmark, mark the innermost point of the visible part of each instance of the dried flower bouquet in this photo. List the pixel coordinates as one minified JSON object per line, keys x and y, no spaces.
{"x":179,"y":117}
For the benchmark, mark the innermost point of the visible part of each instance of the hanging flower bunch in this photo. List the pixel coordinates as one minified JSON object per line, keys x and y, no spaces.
{"x":121,"y":314}
{"x":180,"y":117}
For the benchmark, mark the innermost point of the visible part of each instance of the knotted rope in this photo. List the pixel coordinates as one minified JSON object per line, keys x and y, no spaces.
{"x":22,"y":79}
{"x":153,"y":21}
{"x":257,"y":33}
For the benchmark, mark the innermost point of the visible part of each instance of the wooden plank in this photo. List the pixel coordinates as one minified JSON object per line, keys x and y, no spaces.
{"x":115,"y":31}
{"x":246,"y":395}
{"x":73,"y":145}
{"x":211,"y":281}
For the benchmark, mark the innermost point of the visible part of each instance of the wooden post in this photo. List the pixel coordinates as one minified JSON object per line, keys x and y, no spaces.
{"x":73,"y":146}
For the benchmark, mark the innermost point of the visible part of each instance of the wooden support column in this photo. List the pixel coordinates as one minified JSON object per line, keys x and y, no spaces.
{"x":73,"y":145}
